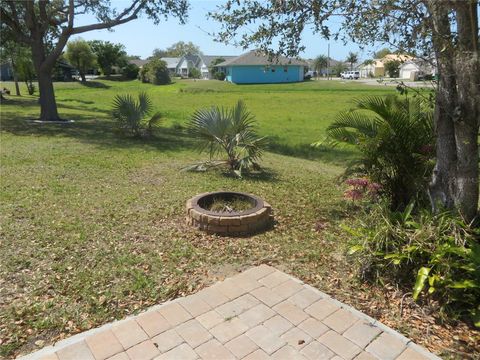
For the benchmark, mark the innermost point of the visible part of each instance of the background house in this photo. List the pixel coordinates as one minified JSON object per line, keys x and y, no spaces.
{"x":415,"y":69}
{"x":256,"y":68}
{"x":376,"y":68}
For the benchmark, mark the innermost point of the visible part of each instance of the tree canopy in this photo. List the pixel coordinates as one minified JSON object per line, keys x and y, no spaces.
{"x":109,"y":55}
{"x":80,"y":54}
{"x":46,"y":26}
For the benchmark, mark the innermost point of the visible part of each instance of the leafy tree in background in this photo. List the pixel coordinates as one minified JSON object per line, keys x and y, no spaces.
{"x":447,"y":29}
{"x":320,"y":63}
{"x":109,"y":55}
{"x":46,"y":26}
{"x":380,"y":54}
{"x":15,"y":55}
{"x":80,"y":54}
{"x":338,"y":69}
{"x":181,"y":48}
{"x":130,"y":71}
{"x":352,"y":58}
{"x":214,"y":71}
{"x":194,"y":73}
{"x":392,"y":68}
{"x":157,"y":72}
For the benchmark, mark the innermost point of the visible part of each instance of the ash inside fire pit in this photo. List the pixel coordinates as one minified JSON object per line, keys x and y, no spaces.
{"x":229,"y":213}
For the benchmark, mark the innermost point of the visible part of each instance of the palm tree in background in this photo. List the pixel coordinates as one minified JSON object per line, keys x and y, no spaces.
{"x":320,"y":63}
{"x":352,"y":58}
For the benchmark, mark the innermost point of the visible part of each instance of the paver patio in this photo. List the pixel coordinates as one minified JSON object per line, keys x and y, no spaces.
{"x":261,"y":313}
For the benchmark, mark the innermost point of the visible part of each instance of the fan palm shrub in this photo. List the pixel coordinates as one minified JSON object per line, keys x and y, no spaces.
{"x":395,"y":138}
{"x":130,"y":114}
{"x":230,"y":132}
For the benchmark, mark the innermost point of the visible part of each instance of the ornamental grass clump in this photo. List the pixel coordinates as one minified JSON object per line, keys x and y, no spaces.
{"x":230,"y":133}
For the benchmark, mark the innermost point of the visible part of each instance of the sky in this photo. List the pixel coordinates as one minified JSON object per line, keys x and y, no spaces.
{"x":141,"y":36}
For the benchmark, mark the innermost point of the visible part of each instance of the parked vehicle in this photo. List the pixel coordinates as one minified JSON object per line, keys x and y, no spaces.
{"x":309,"y":74}
{"x":352,"y":75}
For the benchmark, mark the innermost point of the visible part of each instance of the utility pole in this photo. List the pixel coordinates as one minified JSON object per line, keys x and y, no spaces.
{"x":328,"y":62}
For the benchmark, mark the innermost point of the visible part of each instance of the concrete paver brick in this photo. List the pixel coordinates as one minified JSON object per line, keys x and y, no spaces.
{"x":278,"y":325}
{"x":212,"y":296}
{"x":193,"y":333}
{"x":365,"y":356}
{"x":174,"y":313}
{"x":313,"y":327}
{"x":386,"y":347}
{"x":153,"y":323}
{"x":287,"y":353}
{"x":145,"y":350}
{"x":339,"y":345}
{"x":362,"y":333}
{"x":263,"y":337}
{"x":340,"y":320}
{"x":267,"y":296}
{"x":304,"y":298}
{"x":129,"y":333}
{"x":257,"y":355}
{"x":287,"y":289}
{"x":230,"y":289}
{"x":103,"y":345}
{"x":256,"y":315}
{"x":167,"y":340}
{"x":229,"y":330}
{"x":237,"y":306}
{"x":120,"y":356}
{"x":77,"y":351}
{"x":316,"y":351}
{"x":210,"y":319}
{"x":246,"y":282}
{"x":290,"y":312}
{"x":410,"y":354}
{"x":241,"y":346}
{"x":322,"y":308}
{"x":195,"y":305}
{"x":182,"y":352}
{"x":50,"y":357}
{"x":259,"y":272}
{"x":297,"y":338}
{"x":213,"y":350}
{"x":274,"y":279}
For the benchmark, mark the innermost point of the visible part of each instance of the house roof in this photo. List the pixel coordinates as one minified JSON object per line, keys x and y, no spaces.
{"x":207,"y":59}
{"x":421,"y":64}
{"x":138,"y":62}
{"x":256,"y":58}
{"x":172,"y":62}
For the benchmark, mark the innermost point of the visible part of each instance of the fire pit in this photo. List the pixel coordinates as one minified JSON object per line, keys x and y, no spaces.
{"x":229,"y":213}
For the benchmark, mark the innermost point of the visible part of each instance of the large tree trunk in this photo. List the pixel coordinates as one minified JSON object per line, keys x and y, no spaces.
{"x":48,"y":104}
{"x":15,"y":78}
{"x":466,"y":126}
{"x":455,"y":179}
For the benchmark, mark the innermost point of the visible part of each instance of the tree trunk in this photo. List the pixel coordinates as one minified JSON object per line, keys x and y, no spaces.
{"x":82,"y":76}
{"x":467,"y":125}
{"x":455,"y":179}
{"x":48,"y":104}
{"x":15,"y":78}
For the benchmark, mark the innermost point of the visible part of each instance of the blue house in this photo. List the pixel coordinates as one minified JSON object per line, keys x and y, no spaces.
{"x":256,"y":68}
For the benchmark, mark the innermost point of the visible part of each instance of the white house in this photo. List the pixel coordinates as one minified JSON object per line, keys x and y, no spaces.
{"x":414,"y":68}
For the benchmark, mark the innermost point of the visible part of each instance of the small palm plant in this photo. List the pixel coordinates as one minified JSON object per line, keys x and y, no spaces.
{"x":231,"y":132}
{"x":130,"y":114}
{"x":396,"y":140}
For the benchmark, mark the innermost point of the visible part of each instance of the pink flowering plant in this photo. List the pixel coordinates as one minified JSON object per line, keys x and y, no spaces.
{"x":362,"y":188}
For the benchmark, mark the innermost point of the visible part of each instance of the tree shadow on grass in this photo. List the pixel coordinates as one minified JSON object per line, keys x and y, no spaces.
{"x":99,"y":132}
{"x":332,"y":155}
{"x":95,"y":84}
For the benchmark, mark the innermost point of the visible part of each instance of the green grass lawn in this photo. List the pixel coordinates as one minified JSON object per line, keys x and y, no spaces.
{"x":92,"y":223}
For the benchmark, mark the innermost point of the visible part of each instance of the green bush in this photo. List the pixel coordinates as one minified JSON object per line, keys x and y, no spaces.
{"x":194,"y":73}
{"x":434,"y":255}
{"x":230,"y":132}
{"x":392,"y":68}
{"x":130,"y":71}
{"x":130,"y":114}
{"x":158,"y":72}
{"x":220,"y":75}
{"x":396,"y":142}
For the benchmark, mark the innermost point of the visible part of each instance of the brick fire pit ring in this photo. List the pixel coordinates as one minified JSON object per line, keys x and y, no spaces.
{"x":255,"y":219}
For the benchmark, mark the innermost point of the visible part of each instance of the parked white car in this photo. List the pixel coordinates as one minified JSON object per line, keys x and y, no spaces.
{"x":352,"y":75}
